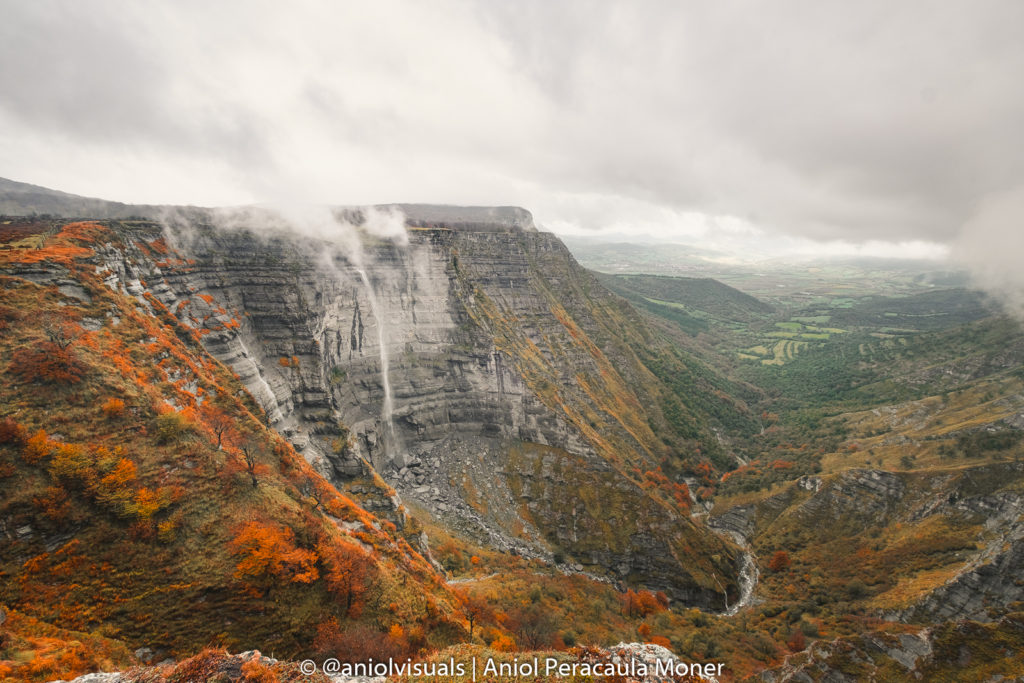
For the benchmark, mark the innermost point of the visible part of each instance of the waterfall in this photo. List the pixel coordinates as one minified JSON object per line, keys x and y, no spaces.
{"x":749,"y":575}
{"x":390,"y":438}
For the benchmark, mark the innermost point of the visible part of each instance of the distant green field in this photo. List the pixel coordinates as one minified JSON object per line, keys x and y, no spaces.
{"x":678,"y":306}
{"x":777,"y":354}
{"x":815,"y":310}
{"x":781,"y":345}
{"x":670,"y":304}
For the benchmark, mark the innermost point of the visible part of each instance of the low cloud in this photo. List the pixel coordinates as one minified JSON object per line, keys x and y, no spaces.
{"x":990,"y":246}
{"x":830,"y":122}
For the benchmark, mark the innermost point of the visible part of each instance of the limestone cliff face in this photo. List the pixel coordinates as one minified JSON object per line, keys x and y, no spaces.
{"x":520,"y":415}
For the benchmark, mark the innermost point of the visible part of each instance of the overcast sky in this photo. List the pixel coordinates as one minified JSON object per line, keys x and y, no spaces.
{"x":851,"y":123}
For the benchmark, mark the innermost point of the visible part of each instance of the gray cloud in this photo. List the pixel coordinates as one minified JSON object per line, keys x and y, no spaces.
{"x":990,"y":245}
{"x":826,"y":120}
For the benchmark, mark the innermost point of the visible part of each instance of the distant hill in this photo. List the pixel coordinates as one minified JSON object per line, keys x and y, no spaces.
{"x":467,"y":217}
{"x":697,"y":298}
{"x":636,"y":257}
{"x":928,"y":311}
{"x":23,"y":199}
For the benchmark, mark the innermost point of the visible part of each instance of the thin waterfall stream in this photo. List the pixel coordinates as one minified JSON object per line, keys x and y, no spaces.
{"x":390,"y":438}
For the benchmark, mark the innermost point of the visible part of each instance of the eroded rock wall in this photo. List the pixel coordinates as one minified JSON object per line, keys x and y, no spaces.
{"x":493,"y":340}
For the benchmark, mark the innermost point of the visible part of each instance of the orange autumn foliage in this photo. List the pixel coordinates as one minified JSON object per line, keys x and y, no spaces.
{"x":255,"y":671}
{"x":643,"y":602}
{"x":660,"y":640}
{"x":113,"y":489}
{"x":146,"y":504}
{"x":37,"y":447}
{"x":54,"y":503}
{"x":47,"y":362}
{"x":267,"y":552}
{"x":503,"y":643}
{"x":357,"y":642}
{"x":124,"y":471}
{"x":113,"y":408}
{"x":347,"y":575}
{"x":218,"y":421}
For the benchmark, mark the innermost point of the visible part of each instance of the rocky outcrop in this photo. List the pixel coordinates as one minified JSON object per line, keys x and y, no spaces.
{"x":952,"y":651}
{"x":868,"y":495}
{"x":739,"y":520}
{"x":991,"y":581}
{"x":871,"y":656}
{"x":976,"y":557}
{"x":212,"y":665}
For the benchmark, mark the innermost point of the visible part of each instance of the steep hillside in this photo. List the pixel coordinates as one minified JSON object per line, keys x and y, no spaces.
{"x":142,"y":494}
{"x":891,"y":575}
{"x":906,"y":543}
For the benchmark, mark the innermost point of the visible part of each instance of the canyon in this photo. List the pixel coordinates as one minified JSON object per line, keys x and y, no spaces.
{"x":492,"y":432}
{"x":474,"y":366}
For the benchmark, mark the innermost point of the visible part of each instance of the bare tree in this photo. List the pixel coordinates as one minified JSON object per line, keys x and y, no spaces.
{"x":219,"y":422}
{"x":475,"y":607}
{"x":61,"y":333}
{"x":251,"y":448}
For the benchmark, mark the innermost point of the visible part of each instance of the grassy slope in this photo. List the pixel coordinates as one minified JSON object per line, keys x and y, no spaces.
{"x":142,"y":552}
{"x":32,"y":650}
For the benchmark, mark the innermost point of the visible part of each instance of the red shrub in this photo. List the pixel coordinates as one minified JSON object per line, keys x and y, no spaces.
{"x":48,"y":362}
{"x":113,"y":408}
{"x":779,"y":562}
{"x":12,"y":432}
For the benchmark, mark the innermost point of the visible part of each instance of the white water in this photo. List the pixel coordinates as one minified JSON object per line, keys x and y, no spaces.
{"x":387,"y":410}
{"x":749,"y":574}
